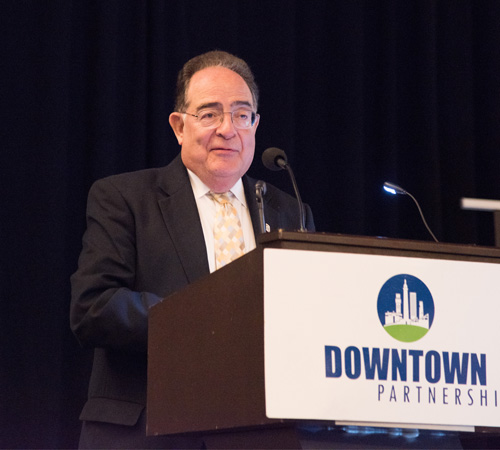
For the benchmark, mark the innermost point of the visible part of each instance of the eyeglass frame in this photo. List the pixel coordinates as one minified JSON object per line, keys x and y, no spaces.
{"x":253,"y":120}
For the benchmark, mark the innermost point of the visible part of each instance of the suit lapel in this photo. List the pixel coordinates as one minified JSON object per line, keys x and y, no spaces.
{"x":180,"y":214}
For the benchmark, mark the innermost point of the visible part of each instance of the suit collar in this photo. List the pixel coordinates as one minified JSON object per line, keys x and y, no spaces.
{"x":180,"y":214}
{"x":173,"y":176}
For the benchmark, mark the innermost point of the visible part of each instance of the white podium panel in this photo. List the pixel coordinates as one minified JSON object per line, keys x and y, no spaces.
{"x":387,"y":339}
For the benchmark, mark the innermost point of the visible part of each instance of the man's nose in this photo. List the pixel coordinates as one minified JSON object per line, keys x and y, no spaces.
{"x":226,"y":128}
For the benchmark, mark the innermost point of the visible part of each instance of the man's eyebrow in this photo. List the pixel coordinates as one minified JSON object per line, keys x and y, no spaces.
{"x":241,"y":103}
{"x":209,"y":105}
{"x":219,"y":105}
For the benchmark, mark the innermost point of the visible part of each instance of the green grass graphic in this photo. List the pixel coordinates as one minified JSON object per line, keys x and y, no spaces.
{"x":406,"y":333}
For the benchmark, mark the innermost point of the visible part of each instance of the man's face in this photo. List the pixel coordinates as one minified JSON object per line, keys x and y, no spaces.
{"x":222,"y":153}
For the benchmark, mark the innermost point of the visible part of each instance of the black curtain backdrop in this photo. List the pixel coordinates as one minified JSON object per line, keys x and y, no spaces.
{"x":356,"y":93}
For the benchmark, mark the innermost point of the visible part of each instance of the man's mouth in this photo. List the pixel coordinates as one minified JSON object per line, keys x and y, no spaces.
{"x":225,"y":150}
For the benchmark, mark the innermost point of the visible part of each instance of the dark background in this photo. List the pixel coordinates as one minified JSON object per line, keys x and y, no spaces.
{"x":356,"y":93}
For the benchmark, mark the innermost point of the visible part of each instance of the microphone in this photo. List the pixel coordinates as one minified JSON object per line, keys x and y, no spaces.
{"x":260,"y":191}
{"x":275,"y":159}
{"x":394,"y":189}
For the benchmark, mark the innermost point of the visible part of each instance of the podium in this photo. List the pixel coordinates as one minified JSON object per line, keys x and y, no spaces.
{"x":206,"y":355}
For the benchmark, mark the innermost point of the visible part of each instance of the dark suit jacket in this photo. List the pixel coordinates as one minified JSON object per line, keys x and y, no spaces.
{"x":143,"y":242}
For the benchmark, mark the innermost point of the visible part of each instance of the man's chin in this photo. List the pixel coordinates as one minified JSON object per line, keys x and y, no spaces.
{"x":224,"y":178}
{"x":226,"y":166}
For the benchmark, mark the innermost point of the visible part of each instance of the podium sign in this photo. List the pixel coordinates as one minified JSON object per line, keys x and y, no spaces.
{"x":330,"y":328}
{"x":380,"y":338}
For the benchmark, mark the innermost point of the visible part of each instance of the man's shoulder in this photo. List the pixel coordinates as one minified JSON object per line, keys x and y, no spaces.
{"x":144,"y":179}
{"x":273,"y":193}
{"x":136,"y":175}
{"x":128,"y":183}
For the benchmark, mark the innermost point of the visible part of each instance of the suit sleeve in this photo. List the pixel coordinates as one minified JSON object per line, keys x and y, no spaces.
{"x":106,"y":311}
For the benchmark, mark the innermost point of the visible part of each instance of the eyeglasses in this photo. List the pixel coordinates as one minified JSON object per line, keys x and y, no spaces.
{"x":241,"y":118}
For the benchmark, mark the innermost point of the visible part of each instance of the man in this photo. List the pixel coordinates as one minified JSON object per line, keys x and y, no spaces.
{"x":150,"y":233}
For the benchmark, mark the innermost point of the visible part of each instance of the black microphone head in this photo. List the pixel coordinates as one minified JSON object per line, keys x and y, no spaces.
{"x":274,"y":158}
{"x":261,"y":187}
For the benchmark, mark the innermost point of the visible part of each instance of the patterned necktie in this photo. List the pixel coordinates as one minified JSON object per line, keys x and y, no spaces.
{"x":228,"y":234}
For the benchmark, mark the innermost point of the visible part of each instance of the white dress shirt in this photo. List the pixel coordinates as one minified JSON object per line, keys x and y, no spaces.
{"x":206,"y":210}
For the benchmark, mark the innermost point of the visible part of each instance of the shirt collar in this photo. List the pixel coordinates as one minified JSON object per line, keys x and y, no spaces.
{"x":200,"y":189}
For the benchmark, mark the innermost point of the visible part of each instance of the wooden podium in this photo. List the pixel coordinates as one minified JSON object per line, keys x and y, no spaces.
{"x":206,"y":343}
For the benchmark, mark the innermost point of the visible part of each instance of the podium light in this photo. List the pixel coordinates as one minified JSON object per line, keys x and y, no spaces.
{"x":394,"y":189}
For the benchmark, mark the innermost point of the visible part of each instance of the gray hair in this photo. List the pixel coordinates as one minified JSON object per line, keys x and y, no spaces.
{"x":213,"y":59}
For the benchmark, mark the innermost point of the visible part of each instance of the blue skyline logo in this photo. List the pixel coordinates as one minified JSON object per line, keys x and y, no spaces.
{"x":405,"y":308}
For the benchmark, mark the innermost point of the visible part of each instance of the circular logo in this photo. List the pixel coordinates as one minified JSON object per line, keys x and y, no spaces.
{"x":405,"y":308}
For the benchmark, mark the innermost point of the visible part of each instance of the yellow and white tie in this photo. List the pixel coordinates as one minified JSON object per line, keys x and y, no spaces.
{"x":228,"y":234}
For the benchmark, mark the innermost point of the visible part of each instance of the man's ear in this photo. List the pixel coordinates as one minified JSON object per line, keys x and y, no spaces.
{"x":177,"y":123}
